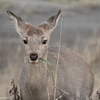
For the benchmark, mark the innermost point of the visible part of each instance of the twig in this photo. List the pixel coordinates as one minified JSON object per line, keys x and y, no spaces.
{"x":97,"y":44}
{"x":60,"y":96}
{"x":14,"y":91}
{"x":58,"y":58}
{"x":94,"y":93}
{"x":62,"y":90}
{"x":98,"y":94}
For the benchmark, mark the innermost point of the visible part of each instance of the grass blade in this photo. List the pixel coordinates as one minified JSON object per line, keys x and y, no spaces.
{"x":51,"y":70}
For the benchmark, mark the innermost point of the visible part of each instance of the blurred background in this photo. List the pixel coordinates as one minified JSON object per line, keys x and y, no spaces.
{"x":80,"y":32}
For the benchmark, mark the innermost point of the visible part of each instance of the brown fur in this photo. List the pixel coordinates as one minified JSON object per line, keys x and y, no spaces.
{"x":74,"y":75}
{"x":44,"y":26}
{"x":34,"y":30}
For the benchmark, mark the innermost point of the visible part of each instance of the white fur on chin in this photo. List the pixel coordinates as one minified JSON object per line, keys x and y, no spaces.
{"x":33,"y":61}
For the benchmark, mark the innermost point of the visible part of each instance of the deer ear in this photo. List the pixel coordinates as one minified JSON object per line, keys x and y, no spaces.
{"x":17,"y":22}
{"x":50,"y":24}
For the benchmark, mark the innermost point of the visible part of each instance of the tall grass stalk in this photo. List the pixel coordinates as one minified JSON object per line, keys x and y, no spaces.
{"x":94,"y":93}
{"x":55,"y":85}
{"x":54,"y":75}
{"x":99,"y":86}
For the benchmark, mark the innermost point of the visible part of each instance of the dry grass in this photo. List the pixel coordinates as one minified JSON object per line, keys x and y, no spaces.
{"x":4,"y":4}
{"x":90,"y":2}
{"x":12,"y":57}
{"x":10,"y":63}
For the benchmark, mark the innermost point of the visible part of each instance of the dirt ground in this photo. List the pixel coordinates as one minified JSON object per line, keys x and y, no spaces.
{"x":80,"y":31}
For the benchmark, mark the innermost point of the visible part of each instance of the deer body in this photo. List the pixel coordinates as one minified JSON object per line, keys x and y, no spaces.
{"x":73,"y":76}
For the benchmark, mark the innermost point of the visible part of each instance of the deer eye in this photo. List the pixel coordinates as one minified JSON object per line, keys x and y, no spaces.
{"x":25,"y":40}
{"x":44,"y":42}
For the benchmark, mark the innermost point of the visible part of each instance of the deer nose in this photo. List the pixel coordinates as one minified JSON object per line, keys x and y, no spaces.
{"x":33,"y":56}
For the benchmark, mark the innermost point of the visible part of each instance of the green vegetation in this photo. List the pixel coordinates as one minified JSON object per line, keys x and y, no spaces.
{"x":51,"y":71}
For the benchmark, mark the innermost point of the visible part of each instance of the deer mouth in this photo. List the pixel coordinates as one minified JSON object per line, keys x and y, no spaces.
{"x":33,"y":62}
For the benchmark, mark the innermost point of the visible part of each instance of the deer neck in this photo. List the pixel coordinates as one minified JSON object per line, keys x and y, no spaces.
{"x":36,"y":70}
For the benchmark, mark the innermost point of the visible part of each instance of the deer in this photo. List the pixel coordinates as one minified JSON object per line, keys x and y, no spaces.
{"x":74,"y":75}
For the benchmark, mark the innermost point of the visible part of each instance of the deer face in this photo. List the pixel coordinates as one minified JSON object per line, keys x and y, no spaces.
{"x":35,"y":43}
{"x":35,"y":38}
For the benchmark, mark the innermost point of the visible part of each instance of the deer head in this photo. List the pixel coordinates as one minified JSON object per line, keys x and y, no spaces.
{"x":35,"y":38}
